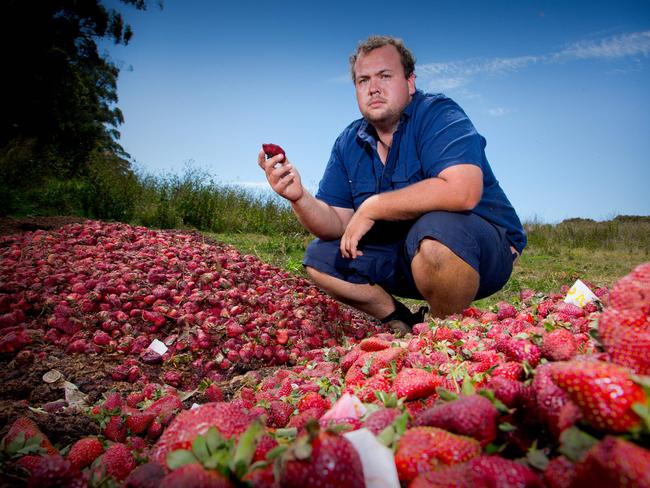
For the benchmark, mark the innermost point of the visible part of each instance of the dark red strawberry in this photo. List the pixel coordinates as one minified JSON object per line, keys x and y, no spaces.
{"x":559,"y":473}
{"x":195,"y":475}
{"x":321,"y":459}
{"x":555,"y":408}
{"x":53,"y":470}
{"x":424,"y":449}
{"x":473,"y":416}
{"x":84,"y":452}
{"x":278,"y":414}
{"x":520,"y":350}
{"x":614,"y":462}
{"x":27,"y":429}
{"x":272,"y":150}
{"x":413,"y":383}
{"x":604,"y":392}
{"x":380,"y":419}
{"x":481,"y":472}
{"x":146,"y":475}
{"x":115,"y":429}
{"x":138,"y":422}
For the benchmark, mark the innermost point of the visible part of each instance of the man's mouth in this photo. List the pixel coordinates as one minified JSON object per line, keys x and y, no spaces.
{"x":374,"y":103}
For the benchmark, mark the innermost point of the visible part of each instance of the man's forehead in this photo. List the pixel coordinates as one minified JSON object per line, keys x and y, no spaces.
{"x":377,"y":60}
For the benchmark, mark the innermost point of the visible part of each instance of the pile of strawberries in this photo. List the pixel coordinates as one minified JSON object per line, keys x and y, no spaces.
{"x":544,"y":393}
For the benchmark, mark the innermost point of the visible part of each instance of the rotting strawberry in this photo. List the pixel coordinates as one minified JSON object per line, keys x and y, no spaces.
{"x":84,"y":452}
{"x":115,"y":429}
{"x":321,"y":458}
{"x":423,"y":449}
{"x":614,"y":462}
{"x":414,"y":383}
{"x":272,"y":150}
{"x":53,"y":470}
{"x":473,"y":416}
{"x":604,"y":392}
{"x":146,"y":475}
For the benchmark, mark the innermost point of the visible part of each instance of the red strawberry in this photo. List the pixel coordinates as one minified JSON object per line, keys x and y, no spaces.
{"x":379,"y":382}
{"x":558,"y":345}
{"x":355,"y":376}
{"x":300,"y":420}
{"x":28,"y":428}
{"x":520,"y":350}
{"x":423,"y":449}
{"x":264,"y":445}
{"x":510,"y":369}
{"x":165,"y":408}
{"x":554,"y":406}
{"x":505,"y":310}
{"x":195,"y":475}
{"x":84,"y":452}
{"x":118,"y":461}
{"x":29,"y":462}
{"x":115,"y":429}
{"x":137,"y":423}
{"x":603,"y":391}
{"x":625,"y":334}
{"x":349,"y":359}
{"x":380,"y":419}
{"x":614,"y":462}
{"x":569,"y":309}
{"x":278,"y":414}
{"x":374,"y":344}
{"x":213,"y":393}
{"x":229,"y":418}
{"x":510,"y":392}
{"x":374,"y":361}
{"x":321,"y":459}
{"x":272,"y":150}
{"x":412,"y":383}
{"x":313,"y":400}
{"x":559,"y":473}
{"x":472,"y":416}
{"x":481,"y":471}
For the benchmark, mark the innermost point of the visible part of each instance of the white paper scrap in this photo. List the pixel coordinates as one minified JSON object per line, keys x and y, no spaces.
{"x":379,"y":470}
{"x":346,"y":407}
{"x":580,"y":294}
{"x":158,"y":346}
{"x":194,"y":406}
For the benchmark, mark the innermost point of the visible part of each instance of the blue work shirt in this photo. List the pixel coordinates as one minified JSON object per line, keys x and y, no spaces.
{"x":433,"y":134}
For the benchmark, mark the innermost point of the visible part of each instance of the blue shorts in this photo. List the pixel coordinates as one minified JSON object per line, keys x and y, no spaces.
{"x":389,"y":248}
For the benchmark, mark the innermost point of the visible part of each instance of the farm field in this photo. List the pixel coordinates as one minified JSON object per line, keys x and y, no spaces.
{"x":261,"y":376}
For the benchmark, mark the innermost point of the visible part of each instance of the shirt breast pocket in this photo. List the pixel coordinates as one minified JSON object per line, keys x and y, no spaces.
{"x":407,"y":174}
{"x":362,"y":189}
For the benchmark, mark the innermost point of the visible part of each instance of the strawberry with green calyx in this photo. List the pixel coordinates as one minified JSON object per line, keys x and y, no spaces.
{"x":194,"y":475}
{"x":423,"y":449}
{"x":604,"y":392}
{"x":24,"y":437}
{"x":117,"y":462}
{"x":414,"y":383}
{"x":214,"y":452}
{"x":320,"y":458}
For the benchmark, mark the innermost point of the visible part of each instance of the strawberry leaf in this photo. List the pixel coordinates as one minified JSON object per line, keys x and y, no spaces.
{"x":180,"y":457}
{"x":574,"y":443}
{"x":200,"y":448}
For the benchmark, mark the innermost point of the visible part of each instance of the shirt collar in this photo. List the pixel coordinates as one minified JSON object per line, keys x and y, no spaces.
{"x":366,"y":131}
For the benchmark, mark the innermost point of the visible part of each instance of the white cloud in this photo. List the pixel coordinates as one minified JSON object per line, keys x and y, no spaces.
{"x":499,"y":111}
{"x":457,"y":74}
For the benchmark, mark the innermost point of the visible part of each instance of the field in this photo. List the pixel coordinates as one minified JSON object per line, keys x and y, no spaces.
{"x":267,"y":359}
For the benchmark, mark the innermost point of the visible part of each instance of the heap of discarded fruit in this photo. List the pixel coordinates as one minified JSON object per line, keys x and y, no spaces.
{"x":541,"y":393}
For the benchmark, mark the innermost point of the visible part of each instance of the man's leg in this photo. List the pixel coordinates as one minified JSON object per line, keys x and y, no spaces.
{"x":446,"y":282}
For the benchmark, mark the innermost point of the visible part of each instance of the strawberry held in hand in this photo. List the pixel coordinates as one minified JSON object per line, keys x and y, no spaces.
{"x":272,"y":150}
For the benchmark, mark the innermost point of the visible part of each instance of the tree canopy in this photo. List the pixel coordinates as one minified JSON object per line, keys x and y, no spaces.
{"x":58,"y":92}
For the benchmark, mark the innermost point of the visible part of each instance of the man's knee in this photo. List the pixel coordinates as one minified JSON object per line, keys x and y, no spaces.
{"x":435,"y":253}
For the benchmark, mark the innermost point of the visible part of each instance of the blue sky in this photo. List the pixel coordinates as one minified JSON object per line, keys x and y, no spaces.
{"x":559,"y":89}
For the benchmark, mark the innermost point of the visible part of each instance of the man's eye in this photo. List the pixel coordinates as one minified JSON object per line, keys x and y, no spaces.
{"x":385,"y":76}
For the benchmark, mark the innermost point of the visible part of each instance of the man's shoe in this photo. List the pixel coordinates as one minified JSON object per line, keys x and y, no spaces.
{"x":399,"y":327}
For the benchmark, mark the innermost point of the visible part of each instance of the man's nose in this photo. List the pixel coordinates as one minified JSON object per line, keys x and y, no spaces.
{"x":373,"y":86}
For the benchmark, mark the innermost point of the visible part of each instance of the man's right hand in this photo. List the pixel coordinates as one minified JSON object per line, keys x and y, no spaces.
{"x":282,"y":176}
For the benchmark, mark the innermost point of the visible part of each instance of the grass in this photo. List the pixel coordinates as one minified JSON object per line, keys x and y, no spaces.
{"x":598,"y":253}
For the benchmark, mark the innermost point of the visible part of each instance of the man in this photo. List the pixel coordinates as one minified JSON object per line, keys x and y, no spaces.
{"x":408,"y":204}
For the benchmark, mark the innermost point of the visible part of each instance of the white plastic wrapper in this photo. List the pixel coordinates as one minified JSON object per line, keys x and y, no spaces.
{"x":158,"y":346}
{"x":348,"y":406}
{"x":379,"y":470}
{"x":580,"y":294}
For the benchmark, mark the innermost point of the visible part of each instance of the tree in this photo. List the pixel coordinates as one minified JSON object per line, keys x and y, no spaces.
{"x":58,"y":93}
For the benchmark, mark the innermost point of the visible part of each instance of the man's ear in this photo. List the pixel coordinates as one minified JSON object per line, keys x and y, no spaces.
{"x":411,"y":82}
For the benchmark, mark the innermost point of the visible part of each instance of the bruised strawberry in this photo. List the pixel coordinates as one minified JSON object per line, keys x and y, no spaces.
{"x":559,"y":473}
{"x":53,"y":470}
{"x":146,"y":475}
{"x":272,"y":150}
{"x":614,"y":462}
{"x":473,"y":416}
{"x":115,"y":429}
{"x":84,"y":452}
{"x":604,"y":392}
{"x":321,"y":458}
{"x":423,"y":449}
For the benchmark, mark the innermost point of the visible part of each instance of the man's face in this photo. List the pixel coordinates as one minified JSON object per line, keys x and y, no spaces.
{"x":382,"y":90}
